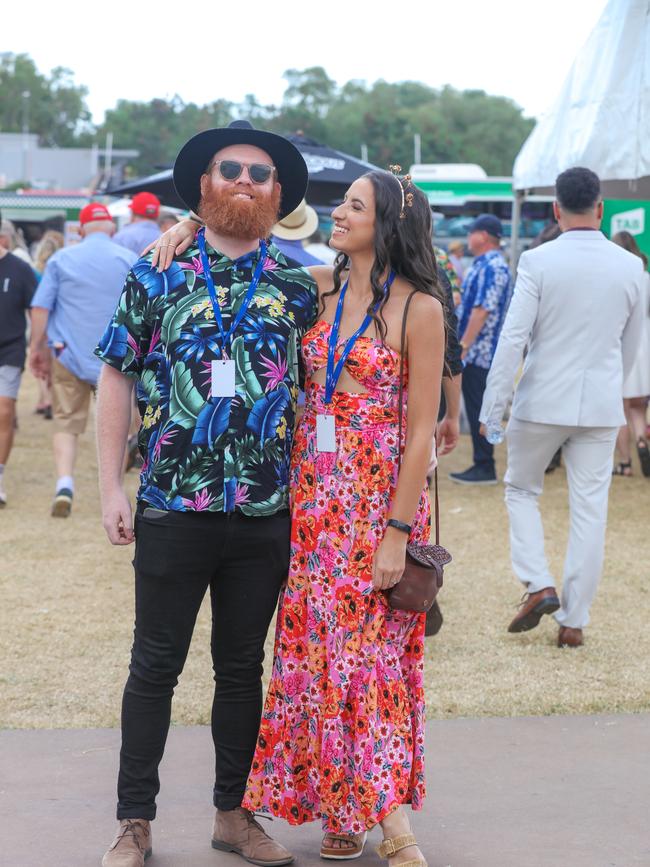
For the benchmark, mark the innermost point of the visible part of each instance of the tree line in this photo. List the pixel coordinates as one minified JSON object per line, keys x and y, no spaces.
{"x":454,"y":126}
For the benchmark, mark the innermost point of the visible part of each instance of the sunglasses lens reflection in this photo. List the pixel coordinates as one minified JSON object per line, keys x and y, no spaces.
{"x":230,"y":169}
{"x":259,"y":173}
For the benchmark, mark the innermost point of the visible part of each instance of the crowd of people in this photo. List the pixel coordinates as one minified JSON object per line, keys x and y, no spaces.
{"x":275,"y":470}
{"x":67,"y":305}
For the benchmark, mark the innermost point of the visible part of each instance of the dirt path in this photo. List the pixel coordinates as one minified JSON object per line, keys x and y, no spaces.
{"x":67,"y":599}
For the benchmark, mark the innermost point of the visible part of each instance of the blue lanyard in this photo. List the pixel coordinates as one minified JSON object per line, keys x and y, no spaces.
{"x":226,"y":339}
{"x":334,"y":370}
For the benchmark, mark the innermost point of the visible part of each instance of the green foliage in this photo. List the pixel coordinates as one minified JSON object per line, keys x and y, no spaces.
{"x":159,"y":128}
{"x":253,"y":390}
{"x":51,"y":106}
{"x":455,"y":126}
{"x":185,"y":400}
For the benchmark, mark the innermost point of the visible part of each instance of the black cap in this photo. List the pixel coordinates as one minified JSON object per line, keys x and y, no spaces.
{"x":487,"y":223}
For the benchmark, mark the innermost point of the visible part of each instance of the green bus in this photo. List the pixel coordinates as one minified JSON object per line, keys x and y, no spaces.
{"x":458,"y":193}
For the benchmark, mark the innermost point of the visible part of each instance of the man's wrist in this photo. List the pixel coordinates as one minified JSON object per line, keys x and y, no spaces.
{"x":108,"y":488}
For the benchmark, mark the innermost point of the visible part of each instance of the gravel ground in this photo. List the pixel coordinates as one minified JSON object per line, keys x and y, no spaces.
{"x":66,"y":602}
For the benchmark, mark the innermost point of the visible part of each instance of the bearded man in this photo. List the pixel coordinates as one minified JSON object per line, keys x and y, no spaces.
{"x":212,"y":344}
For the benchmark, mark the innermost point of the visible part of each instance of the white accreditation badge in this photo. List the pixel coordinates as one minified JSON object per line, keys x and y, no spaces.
{"x":223,"y":378}
{"x":325,"y":433}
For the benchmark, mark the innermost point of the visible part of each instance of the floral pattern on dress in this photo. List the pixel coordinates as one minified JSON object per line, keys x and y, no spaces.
{"x":342,"y":734}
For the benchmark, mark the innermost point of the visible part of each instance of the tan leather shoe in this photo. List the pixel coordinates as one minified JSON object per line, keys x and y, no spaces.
{"x":568,"y":636}
{"x":132,"y":845}
{"x":392,"y":845}
{"x":353,"y":846}
{"x":533,"y":607}
{"x":238,"y":831}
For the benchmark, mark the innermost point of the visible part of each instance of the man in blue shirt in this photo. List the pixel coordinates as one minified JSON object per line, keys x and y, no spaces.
{"x":481,"y":312}
{"x":143,"y":228}
{"x":76,"y":296}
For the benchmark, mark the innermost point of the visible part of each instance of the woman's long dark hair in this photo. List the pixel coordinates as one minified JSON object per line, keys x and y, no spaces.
{"x":628,"y":242}
{"x":404,"y":245}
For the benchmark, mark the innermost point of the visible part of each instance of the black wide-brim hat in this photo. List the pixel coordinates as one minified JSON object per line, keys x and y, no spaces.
{"x":194,"y":156}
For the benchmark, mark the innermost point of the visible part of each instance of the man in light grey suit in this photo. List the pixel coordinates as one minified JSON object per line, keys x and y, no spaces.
{"x":577,"y":305}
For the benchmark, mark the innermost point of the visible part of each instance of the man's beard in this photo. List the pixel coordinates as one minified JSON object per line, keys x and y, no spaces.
{"x":233,"y":217}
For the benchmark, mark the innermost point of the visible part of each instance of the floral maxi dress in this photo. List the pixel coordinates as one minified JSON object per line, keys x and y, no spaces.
{"x":342,"y":733}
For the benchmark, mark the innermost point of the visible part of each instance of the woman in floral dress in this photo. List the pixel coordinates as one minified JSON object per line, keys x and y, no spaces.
{"x":342,"y":734}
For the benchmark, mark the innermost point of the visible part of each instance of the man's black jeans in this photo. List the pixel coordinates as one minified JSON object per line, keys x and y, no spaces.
{"x":473,"y":386}
{"x":244,"y":561}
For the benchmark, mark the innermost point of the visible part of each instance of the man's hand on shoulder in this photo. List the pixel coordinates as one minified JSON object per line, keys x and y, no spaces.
{"x":173,"y":242}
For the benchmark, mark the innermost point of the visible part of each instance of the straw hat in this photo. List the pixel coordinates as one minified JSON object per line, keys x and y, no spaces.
{"x":298,"y":225}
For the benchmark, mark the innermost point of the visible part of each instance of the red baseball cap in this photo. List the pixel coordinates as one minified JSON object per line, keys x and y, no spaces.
{"x":93,"y":212}
{"x":145,"y":205}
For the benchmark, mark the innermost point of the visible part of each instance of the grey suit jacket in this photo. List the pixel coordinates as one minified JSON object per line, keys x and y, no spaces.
{"x":577,"y":304}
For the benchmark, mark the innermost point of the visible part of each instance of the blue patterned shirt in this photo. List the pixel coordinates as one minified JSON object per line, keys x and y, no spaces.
{"x":487,"y":284}
{"x":201,"y":452}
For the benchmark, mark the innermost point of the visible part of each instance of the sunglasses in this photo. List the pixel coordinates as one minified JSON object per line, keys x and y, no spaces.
{"x":230,"y":170}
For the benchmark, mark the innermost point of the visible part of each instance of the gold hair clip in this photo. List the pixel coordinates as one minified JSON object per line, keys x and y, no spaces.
{"x":407,"y":200}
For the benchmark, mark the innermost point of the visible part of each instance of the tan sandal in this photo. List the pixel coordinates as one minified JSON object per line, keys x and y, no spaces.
{"x":392,"y":845}
{"x":349,"y":853}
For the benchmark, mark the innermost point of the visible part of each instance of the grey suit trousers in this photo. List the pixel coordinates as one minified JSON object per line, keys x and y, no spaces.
{"x":587,"y":453}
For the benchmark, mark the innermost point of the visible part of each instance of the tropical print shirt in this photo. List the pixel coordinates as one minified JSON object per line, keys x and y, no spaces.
{"x":203,"y":453}
{"x":488,"y":284}
{"x":444,"y":264}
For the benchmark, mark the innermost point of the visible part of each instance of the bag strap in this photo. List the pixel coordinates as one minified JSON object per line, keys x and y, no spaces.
{"x":400,"y":413}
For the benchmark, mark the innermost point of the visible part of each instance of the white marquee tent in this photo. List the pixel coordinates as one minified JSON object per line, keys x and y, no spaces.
{"x":601,"y":118}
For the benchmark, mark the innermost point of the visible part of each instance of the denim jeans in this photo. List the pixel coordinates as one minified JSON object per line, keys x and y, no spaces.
{"x":474,"y":379}
{"x":178,"y":556}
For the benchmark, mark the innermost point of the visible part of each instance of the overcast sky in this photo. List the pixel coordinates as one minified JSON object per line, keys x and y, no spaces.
{"x":140,"y":50}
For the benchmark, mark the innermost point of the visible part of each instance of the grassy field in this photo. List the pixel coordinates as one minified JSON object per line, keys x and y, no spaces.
{"x":66,"y":612}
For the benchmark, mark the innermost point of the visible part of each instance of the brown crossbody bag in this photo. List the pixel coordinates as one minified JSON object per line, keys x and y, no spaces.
{"x":422,"y":577}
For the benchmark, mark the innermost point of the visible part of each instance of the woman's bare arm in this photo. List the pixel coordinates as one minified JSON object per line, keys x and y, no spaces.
{"x":425,"y":354}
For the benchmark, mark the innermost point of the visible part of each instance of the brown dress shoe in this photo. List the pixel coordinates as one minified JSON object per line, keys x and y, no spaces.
{"x":132,"y":845}
{"x":238,"y":831}
{"x":533,"y":607}
{"x":568,"y":636}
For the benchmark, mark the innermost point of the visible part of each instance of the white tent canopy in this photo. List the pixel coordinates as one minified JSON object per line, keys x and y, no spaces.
{"x":601,"y":119}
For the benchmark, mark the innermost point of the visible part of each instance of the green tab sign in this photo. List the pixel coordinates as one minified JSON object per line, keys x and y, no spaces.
{"x":628,"y":216}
